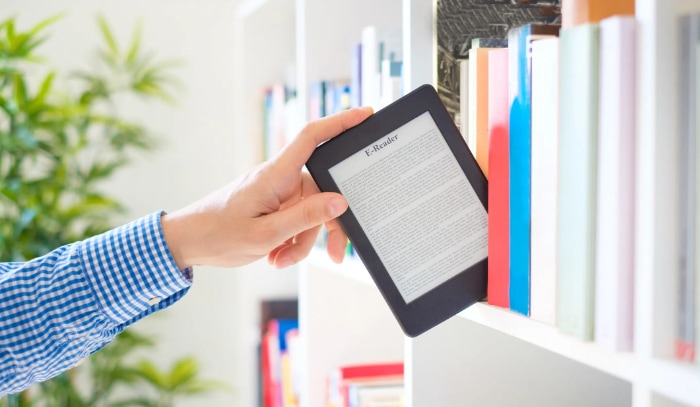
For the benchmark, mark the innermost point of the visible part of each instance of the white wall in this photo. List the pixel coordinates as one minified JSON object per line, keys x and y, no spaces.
{"x":202,"y":147}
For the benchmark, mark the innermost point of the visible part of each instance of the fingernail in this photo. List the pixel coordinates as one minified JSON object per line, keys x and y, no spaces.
{"x":367,"y":109}
{"x":284,"y":262}
{"x":337,"y":207}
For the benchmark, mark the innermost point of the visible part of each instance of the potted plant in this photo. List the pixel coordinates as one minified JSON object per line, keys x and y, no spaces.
{"x":56,"y":147}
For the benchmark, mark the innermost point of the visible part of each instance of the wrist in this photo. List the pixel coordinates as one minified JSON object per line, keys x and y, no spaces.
{"x":175,"y":234}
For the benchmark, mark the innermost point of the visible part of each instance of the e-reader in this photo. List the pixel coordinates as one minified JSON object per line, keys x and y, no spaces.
{"x":417,"y":207}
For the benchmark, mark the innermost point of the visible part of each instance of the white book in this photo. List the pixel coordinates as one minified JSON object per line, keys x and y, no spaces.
{"x":697,"y":200}
{"x":614,"y":288}
{"x":370,"y":67}
{"x":464,"y":98}
{"x":545,"y":140}
{"x":377,"y":44}
{"x":471,"y":106}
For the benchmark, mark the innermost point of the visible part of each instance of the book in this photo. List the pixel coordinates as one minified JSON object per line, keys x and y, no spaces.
{"x":276,"y":369}
{"x":697,"y":197}
{"x":356,"y":75}
{"x":519,"y":137}
{"x":545,"y":139}
{"x":578,"y":144}
{"x":614,"y":267}
{"x":478,"y":106}
{"x":577,"y":12}
{"x":686,"y":340}
{"x":478,"y":98}
{"x":375,"y":394}
{"x":464,"y":99}
{"x":498,"y":116}
{"x":376,"y":45}
{"x":349,"y":378}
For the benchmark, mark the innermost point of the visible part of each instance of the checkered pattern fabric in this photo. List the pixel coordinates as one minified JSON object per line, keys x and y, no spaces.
{"x":57,"y":309}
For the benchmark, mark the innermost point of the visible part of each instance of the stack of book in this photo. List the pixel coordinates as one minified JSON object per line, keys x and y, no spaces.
{"x":366,"y":385}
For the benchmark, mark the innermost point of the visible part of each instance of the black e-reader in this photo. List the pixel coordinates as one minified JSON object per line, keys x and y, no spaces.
{"x":417,"y":215}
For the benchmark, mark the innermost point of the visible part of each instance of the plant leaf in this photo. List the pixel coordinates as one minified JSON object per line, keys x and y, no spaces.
{"x":135,"y":44}
{"x":107,"y":35}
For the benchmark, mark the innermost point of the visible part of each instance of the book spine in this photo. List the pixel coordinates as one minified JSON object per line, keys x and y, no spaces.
{"x":471,"y":105}
{"x":482,"y":107}
{"x":578,"y":144}
{"x":614,"y":278}
{"x":498,"y":247}
{"x":685,"y":343}
{"x":545,"y":135}
{"x":519,"y":83}
{"x":464,"y":98}
{"x":356,"y":76}
{"x":697,"y":197}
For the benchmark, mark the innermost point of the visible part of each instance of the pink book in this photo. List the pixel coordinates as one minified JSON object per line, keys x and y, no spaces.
{"x":498,"y":114}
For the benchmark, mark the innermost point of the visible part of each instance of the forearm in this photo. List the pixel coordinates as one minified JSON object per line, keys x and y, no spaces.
{"x":57,"y":309}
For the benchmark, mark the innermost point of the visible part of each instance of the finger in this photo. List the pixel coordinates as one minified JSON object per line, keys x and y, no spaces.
{"x":296,"y":153}
{"x":273,"y":253}
{"x":337,"y":241}
{"x":307,"y":213}
{"x":298,"y":251}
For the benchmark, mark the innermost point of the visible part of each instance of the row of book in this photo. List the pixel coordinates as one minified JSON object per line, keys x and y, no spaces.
{"x":550,"y":117}
{"x":375,"y":80}
{"x":378,"y":384}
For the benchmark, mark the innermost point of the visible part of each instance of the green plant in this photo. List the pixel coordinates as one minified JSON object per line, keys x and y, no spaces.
{"x":56,"y":147}
{"x":108,"y":370}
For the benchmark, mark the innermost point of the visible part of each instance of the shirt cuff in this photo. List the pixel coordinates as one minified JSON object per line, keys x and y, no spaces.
{"x":131,"y":269}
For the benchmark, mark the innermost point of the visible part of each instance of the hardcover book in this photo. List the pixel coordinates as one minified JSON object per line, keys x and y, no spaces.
{"x":614,"y":276}
{"x":520,"y":123}
{"x":578,"y":146}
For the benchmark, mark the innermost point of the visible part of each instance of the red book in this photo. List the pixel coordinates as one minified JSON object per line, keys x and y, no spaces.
{"x":498,"y":114}
{"x":390,"y":373}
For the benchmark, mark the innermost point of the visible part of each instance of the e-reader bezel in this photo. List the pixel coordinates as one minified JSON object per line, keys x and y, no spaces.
{"x":455,"y":294}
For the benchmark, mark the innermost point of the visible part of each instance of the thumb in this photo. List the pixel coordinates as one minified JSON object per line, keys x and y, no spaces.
{"x":307,"y":213}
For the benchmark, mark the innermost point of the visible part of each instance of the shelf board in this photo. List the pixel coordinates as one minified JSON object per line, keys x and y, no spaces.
{"x":621,"y":365}
{"x":676,"y":380}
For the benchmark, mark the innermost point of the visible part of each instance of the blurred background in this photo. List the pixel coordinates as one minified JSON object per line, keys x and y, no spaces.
{"x":198,"y":147}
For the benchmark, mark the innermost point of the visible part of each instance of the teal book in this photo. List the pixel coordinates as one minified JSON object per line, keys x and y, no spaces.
{"x":578,"y":145}
{"x":520,"y":129}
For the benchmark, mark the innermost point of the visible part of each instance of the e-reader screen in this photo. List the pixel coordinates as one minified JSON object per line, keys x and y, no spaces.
{"x":416,"y":206}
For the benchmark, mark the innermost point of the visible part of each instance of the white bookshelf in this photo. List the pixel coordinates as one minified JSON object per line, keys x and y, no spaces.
{"x":485,"y":355}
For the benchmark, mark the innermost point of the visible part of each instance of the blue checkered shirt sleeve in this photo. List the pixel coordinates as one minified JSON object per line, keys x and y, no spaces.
{"x":57,"y":309}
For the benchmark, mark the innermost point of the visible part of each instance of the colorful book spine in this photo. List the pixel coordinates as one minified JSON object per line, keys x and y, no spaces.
{"x":545,"y":139}
{"x":478,"y":98}
{"x":578,"y":146}
{"x":686,"y":340}
{"x":520,"y":100}
{"x":478,"y":105}
{"x":614,"y":270}
{"x":498,"y":116}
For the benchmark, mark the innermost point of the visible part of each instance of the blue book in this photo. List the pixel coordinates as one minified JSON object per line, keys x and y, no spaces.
{"x":520,"y":101}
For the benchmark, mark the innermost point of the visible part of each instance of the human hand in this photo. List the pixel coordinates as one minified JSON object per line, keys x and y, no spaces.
{"x":275,"y":210}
